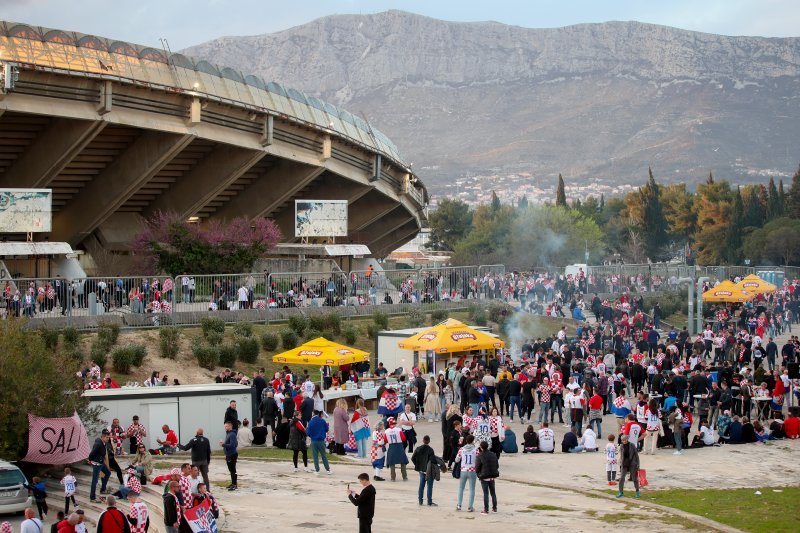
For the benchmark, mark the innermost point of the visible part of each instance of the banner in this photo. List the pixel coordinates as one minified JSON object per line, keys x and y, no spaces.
{"x":201,"y":519}
{"x":56,"y":441}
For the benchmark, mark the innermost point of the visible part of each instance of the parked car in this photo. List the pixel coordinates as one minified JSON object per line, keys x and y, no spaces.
{"x":14,"y":496}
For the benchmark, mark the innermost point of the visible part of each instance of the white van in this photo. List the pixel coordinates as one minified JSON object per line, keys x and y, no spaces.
{"x":13,"y":493}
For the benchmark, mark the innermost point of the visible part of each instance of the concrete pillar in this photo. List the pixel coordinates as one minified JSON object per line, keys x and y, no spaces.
{"x":101,"y":197}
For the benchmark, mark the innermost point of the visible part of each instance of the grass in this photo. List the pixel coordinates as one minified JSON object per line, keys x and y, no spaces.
{"x":614,"y":518}
{"x":277,"y":454}
{"x":545,"y":507}
{"x":773,"y":512}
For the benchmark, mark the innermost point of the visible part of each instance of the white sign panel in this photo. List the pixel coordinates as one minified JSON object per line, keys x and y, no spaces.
{"x":320,"y":218}
{"x":25,"y":210}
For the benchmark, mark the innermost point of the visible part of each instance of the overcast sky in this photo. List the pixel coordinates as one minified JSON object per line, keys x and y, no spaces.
{"x":188,"y":22}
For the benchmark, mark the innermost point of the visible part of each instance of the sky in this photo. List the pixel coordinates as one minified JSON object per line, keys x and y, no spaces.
{"x":187,"y":22}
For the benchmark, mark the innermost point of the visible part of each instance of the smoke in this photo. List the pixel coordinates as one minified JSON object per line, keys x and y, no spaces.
{"x":522,"y":327}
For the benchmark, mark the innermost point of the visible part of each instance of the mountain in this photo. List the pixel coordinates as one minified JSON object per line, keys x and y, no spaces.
{"x":598,"y":103}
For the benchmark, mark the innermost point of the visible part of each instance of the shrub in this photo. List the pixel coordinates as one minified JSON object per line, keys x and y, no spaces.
{"x":138,"y":351}
{"x":215,"y":338}
{"x":247,"y":348}
{"x":169,"y":341}
{"x":212,"y":324}
{"x":316,"y":322}
{"x":298,"y":324}
{"x":289,"y":339}
{"x":415,"y":317}
{"x":227,"y":354}
{"x":333,"y":322}
{"x":313,"y":334}
{"x":269,"y":342}
{"x":380,"y":319}
{"x":99,"y":351}
{"x":71,"y":338}
{"x":479,"y":317}
{"x":243,"y":329}
{"x":50,"y":338}
{"x":109,"y":331}
{"x":439,"y":315}
{"x":122,"y":360}
{"x":499,"y":311}
{"x":372,"y":330}
{"x":207,"y":356}
{"x":350,"y":335}
{"x":73,"y":354}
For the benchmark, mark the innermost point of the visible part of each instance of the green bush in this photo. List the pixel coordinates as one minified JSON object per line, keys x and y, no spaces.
{"x":316,"y":322}
{"x":269,"y":342}
{"x":50,"y":338}
{"x":350,"y":335}
{"x":215,"y":338}
{"x":71,"y":338}
{"x":289,"y":339}
{"x":381,"y":320}
{"x":108,"y":331}
{"x":479,"y":317}
{"x":415,"y":317}
{"x":313,"y":334}
{"x":99,"y":351}
{"x":248,"y":349}
{"x":499,"y":311}
{"x":207,"y":356}
{"x":227,"y":354}
{"x":243,"y":329}
{"x":671,"y":302}
{"x":439,"y":315}
{"x":211,"y":324}
{"x":122,"y":359}
{"x":138,"y":351}
{"x":169,"y":341}
{"x":298,"y":324}
{"x":73,"y":354}
{"x":372,"y":330}
{"x":333,"y":322}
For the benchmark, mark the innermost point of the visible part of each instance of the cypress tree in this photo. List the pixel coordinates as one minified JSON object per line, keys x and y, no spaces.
{"x":773,"y":201}
{"x":733,"y":239}
{"x":561,"y":195}
{"x":655,"y":224}
{"x":523,"y":202}
{"x":793,"y":201}
{"x":495,"y":202}
{"x":754,"y":215}
{"x":781,"y":198}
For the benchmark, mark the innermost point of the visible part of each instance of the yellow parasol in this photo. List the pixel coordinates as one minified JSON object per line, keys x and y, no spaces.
{"x":727,"y":292}
{"x":755,"y":285}
{"x":451,"y":336}
{"x":322,"y":352}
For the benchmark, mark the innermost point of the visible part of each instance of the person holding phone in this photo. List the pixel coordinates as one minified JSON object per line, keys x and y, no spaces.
{"x":365,"y":501}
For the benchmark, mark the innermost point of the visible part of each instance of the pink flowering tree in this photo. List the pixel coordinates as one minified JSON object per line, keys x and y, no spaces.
{"x":173,"y":246}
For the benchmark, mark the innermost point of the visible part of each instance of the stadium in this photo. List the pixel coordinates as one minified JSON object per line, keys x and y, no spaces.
{"x":119,"y":131}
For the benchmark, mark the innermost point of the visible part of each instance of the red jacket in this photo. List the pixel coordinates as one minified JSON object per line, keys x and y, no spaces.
{"x":112,"y":520}
{"x":65,"y":527}
{"x":791,"y":427}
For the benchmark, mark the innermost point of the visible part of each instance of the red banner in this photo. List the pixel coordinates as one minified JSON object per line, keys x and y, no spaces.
{"x":56,"y":441}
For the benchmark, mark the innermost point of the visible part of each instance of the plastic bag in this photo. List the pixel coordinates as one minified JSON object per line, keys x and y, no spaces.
{"x":643,"y":478}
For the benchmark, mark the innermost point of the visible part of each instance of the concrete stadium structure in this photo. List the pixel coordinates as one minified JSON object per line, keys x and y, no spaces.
{"x":118,"y":131}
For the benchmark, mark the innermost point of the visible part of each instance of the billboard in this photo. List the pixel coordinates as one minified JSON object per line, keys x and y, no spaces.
{"x":320,"y":218}
{"x":25,"y":210}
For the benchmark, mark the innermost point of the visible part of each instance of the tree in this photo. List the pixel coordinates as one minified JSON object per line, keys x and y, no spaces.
{"x":733,"y":240}
{"x":784,"y":243}
{"x":450,"y":223}
{"x":654,"y":224}
{"x":712,"y":207}
{"x":755,"y":209}
{"x":793,"y":201}
{"x":171,"y":245}
{"x":34,"y":380}
{"x":561,"y":194}
{"x":487,"y":242}
{"x":782,"y":197}
{"x":678,"y":205}
{"x":775,"y":243}
{"x":774,"y":206}
{"x":523,"y":202}
{"x":495,"y":202}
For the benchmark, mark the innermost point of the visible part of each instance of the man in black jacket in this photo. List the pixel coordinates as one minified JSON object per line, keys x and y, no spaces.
{"x":365,"y":503}
{"x":270,"y":412}
{"x":487,"y":468}
{"x":172,"y":508}
{"x":200,"y":447}
{"x":307,"y":409}
{"x":421,"y":457}
{"x":97,"y":457}
{"x":502,"y":393}
{"x":232,"y":416}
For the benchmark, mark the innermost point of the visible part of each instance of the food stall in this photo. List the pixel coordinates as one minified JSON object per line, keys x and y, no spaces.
{"x":437,"y":347}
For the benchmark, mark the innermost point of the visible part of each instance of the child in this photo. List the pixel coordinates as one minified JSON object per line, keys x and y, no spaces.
{"x":611,"y":460}
{"x":40,"y":495}
{"x":69,"y":483}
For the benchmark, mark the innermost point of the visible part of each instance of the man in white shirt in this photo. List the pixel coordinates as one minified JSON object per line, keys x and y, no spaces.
{"x":407,"y":419}
{"x":243,"y":293}
{"x":547,"y":439}
{"x":31,"y":524}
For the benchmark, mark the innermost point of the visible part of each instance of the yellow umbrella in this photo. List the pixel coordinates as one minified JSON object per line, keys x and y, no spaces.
{"x":727,"y":292}
{"x":451,"y":336}
{"x":322,"y":352}
{"x":755,"y":285}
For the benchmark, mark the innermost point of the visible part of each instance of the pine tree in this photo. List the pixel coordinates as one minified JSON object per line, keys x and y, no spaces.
{"x":602,"y":201}
{"x":561,"y":195}
{"x":495,"y":202}
{"x":773,"y":201}
{"x":523,"y":202}
{"x":655,"y":224}
{"x":733,"y":238}
{"x":793,"y":201}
